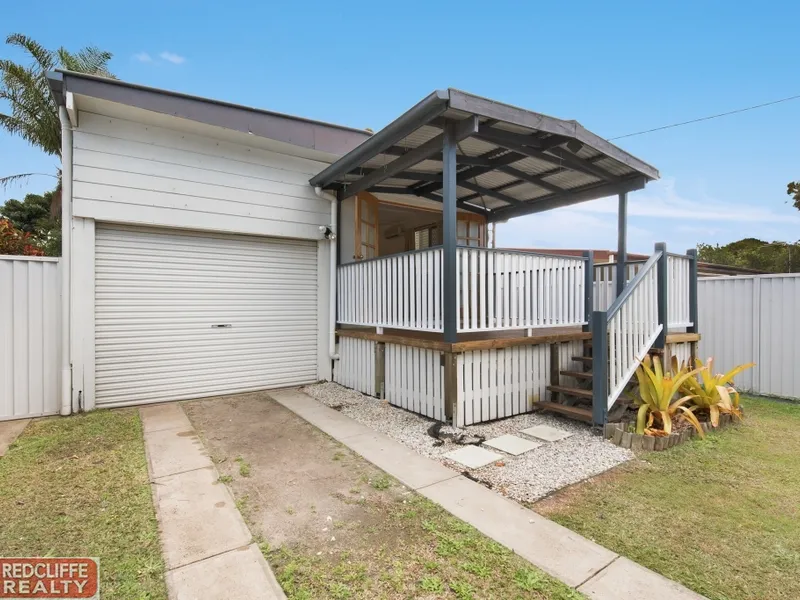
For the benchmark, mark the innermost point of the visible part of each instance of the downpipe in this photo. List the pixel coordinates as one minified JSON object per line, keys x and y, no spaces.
{"x":332,"y":285}
{"x":66,"y":254}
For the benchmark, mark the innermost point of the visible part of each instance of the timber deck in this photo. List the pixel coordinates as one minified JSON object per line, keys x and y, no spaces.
{"x":484,"y":340}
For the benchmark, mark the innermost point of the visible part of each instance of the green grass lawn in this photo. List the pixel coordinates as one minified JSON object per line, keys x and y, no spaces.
{"x":78,"y":486}
{"x":720,"y":515}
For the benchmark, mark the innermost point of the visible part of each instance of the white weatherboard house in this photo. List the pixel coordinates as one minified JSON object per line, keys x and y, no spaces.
{"x":212,"y":249}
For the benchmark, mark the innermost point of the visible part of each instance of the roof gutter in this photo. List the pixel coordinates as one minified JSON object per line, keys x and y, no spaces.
{"x":429,"y":108}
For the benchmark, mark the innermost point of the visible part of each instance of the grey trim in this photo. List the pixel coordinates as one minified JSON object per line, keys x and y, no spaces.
{"x":534,"y":179}
{"x":622,"y":241}
{"x":526,"y":118}
{"x":461,"y":130}
{"x":693,"y":310}
{"x":568,"y":197}
{"x":489,"y":192}
{"x":297,"y":131}
{"x":361,"y":261}
{"x":620,"y":299}
{"x":432,"y":106}
{"x":525,"y":252}
{"x":588,"y":288}
{"x":663,"y":296}
{"x":449,"y":236}
{"x":599,"y":367}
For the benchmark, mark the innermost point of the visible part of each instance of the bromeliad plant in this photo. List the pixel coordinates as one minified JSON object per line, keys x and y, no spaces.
{"x":657,"y":389}
{"x":713,"y":393}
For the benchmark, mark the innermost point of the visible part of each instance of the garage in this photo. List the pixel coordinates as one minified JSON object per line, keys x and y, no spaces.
{"x":188,"y":314}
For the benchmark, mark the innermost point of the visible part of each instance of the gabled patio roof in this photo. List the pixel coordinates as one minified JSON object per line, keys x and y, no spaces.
{"x":511,"y":161}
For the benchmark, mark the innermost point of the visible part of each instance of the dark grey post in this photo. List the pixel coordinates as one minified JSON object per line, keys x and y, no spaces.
{"x":622,"y":241}
{"x":599,"y":368}
{"x":692,"y":254}
{"x":588,"y":288}
{"x":661,"y":340}
{"x":449,"y":236}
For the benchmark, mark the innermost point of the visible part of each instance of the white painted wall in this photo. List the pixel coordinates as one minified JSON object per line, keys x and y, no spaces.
{"x":136,"y":173}
{"x":30,"y":336}
{"x":164,"y":173}
{"x":752,"y":319}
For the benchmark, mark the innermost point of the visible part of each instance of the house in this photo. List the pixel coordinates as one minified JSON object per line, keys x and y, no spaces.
{"x":211,"y":248}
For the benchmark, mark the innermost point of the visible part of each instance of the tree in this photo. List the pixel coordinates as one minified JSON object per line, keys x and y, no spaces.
{"x":14,"y":241}
{"x":33,"y":216}
{"x":752,"y":253}
{"x":33,"y":112}
{"x":793,"y":189}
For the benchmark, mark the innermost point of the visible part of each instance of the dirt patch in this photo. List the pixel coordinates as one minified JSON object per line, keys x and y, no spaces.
{"x":334,"y":526}
{"x":293,"y":482}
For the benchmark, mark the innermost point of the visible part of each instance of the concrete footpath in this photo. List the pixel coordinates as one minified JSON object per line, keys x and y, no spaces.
{"x":9,"y":432}
{"x":208,"y":549}
{"x":571,"y":558}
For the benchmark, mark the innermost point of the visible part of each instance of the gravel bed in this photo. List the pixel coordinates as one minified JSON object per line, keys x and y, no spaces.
{"x":524,"y":478}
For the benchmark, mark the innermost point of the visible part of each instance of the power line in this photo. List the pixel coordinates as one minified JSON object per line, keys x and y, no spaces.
{"x":725,"y":114}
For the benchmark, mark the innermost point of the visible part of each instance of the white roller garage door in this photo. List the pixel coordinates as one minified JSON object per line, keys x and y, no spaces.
{"x":182,"y":314}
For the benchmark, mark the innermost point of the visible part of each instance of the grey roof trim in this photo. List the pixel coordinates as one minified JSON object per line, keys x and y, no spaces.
{"x":527,"y":118}
{"x":317,"y":135}
{"x":429,"y":108}
{"x":568,"y":198}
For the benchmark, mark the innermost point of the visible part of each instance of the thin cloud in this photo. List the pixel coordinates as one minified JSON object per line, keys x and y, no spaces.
{"x":661,"y":200}
{"x":143,"y":57}
{"x":175,"y":59}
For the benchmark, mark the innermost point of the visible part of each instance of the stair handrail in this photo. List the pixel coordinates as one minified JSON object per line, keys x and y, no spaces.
{"x":623,"y":335}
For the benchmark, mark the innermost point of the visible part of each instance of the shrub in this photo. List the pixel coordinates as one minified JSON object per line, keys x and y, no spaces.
{"x":657,"y":388}
{"x":713,"y":393}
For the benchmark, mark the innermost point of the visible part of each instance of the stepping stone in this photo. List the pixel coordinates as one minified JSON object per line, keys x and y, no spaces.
{"x":473,"y":457}
{"x":511,"y":444}
{"x":546,"y":433}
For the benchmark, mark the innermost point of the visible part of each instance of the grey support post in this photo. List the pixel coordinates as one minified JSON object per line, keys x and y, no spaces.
{"x":588,"y":289}
{"x":449,"y":235}
{"x":622,"y":241}
{"x":663,"y":319}
{"x":692,"y":254}
{"x":599,"y":368}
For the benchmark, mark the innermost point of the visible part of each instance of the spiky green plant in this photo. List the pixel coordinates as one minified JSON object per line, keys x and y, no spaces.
{"x":714,"y":393}
{"x":33,"y":113}
{"x":657,"y":389}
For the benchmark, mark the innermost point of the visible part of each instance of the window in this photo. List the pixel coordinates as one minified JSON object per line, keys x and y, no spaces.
{"x":366,"y":239}
{"x":426,"y":237}
{"x":470,"y":231}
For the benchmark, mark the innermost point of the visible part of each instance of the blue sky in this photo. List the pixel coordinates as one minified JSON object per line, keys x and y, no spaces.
{"x":617,"y":67}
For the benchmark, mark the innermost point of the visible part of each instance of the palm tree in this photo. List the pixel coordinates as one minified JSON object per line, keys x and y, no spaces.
{"x":33,"y":112}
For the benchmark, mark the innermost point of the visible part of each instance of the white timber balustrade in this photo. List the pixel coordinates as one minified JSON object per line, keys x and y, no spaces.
{"x":605,"y":281}
{"x":400,"y":291}
{"x":501,"y":289}
{"x":625,"y":333}
{"x":678,"y":282}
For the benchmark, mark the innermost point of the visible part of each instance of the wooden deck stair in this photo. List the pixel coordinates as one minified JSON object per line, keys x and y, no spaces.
{"x":571,"y":400}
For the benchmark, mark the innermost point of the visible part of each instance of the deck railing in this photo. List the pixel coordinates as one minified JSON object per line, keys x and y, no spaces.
{"x":624,"y":334}
{"x":497,"y":289}
{"x":401,"y":291}
{"x":502,"y":289}
{"x":678,"y":284}
{"x":605,"y":281}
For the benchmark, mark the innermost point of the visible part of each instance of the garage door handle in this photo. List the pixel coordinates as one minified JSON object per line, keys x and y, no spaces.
{"x":221,"y":325}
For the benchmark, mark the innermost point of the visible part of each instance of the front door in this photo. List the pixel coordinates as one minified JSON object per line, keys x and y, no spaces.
{"x":366,"y":226}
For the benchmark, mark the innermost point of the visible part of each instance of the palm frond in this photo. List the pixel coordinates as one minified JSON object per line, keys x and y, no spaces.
{"x":42,"y":56}
{"x":10,"y":180}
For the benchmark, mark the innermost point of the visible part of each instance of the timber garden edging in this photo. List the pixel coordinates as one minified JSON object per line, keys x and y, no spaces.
{"x":620,"y":434}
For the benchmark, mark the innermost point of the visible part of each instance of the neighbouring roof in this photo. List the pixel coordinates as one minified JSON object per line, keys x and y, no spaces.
{"x":298,"y":131}
{"x":606,"y":256}
{"x":511,"y":161}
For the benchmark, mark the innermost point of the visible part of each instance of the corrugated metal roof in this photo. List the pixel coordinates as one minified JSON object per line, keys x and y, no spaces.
{"x":565,"y":156}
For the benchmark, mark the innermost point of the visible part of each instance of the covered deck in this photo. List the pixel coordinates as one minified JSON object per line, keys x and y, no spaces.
{"x":451,"y":328}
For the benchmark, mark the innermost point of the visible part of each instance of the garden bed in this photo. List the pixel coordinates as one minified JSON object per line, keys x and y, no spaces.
{"x":623,"y":434}
{"x":524,"y":478}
